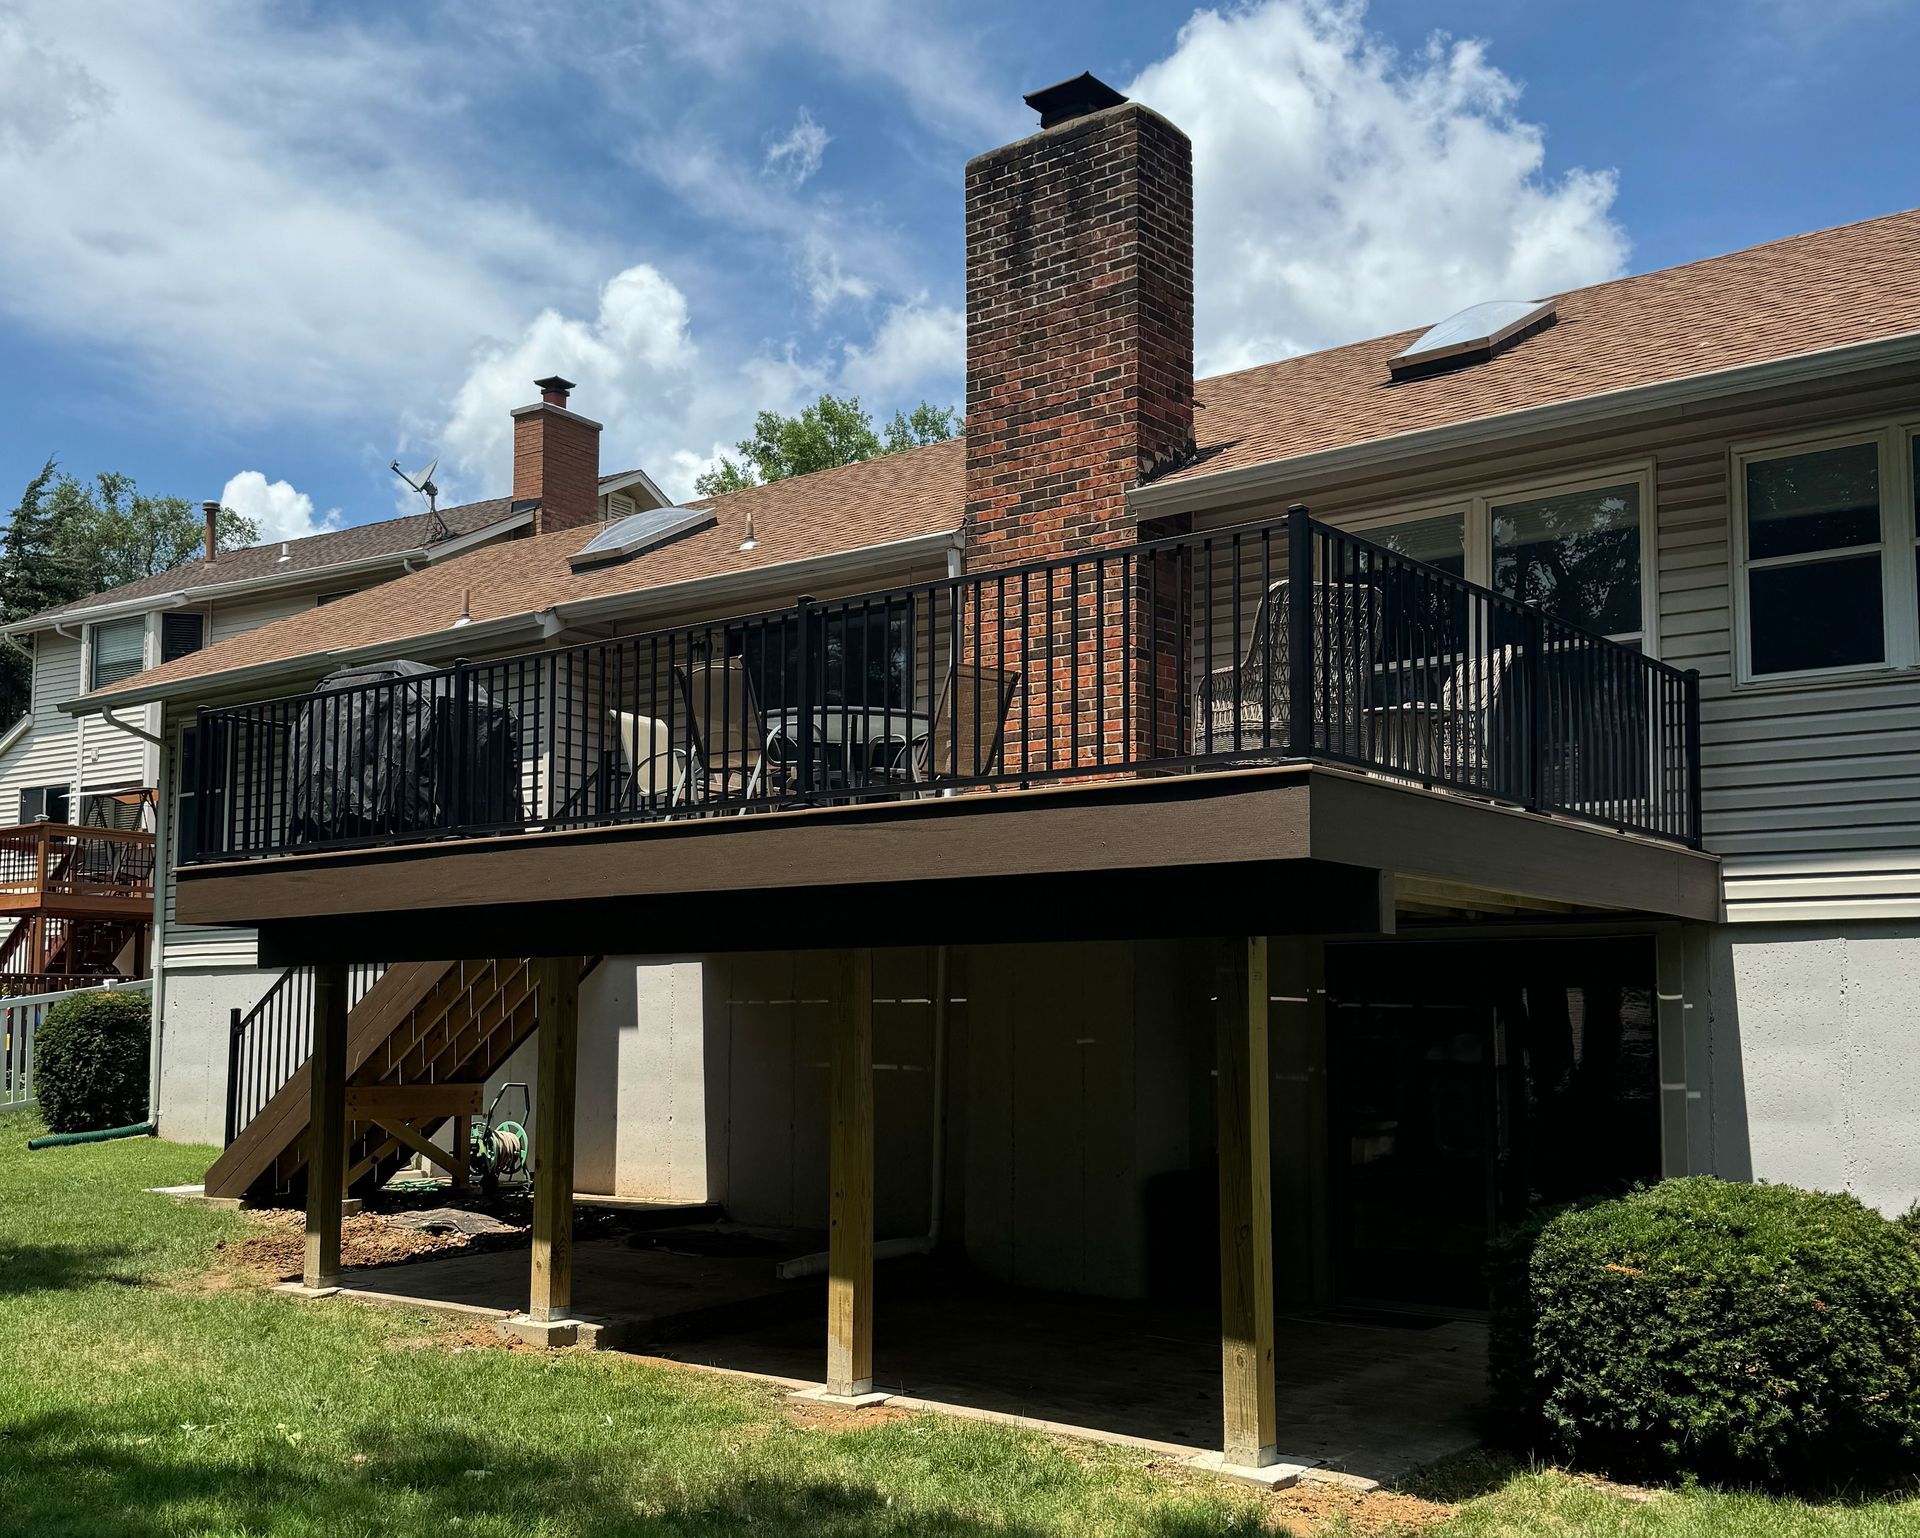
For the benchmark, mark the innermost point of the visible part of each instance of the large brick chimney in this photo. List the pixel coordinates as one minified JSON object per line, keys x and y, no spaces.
{"x":1080,"y":385}
{"x":556,"y":459}
{"x":1079,"y":323}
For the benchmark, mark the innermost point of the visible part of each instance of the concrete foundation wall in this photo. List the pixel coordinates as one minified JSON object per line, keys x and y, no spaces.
{"x":196,"y":1014}
{"x":641,"y":1110}
{"x":1811,"y":1056}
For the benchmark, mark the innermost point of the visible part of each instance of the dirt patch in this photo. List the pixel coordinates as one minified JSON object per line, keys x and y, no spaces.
{"x":1317,"y":1508}
{"x":277,"y":1250}
{"x":1312,"y":1508}
{"x":811,"y":1415}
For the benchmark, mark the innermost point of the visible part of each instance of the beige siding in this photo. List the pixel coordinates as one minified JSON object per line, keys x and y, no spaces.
{"x":1811,"y":794}
{"x":48,"y":752}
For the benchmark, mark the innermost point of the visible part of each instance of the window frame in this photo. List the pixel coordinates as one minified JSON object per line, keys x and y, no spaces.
{"x":92,"y":648}
{"x":1476,"y":510}
{"x":1900,"y":639}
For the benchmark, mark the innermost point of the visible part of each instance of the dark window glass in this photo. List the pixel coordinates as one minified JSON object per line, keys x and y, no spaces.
{"x":44,"y":803}
{"x":181,"y":635}
{"x":858,"y":659}
{"x":1822,"y":614}
{"x":1826,"y":500}
{"x":1575,"y":556}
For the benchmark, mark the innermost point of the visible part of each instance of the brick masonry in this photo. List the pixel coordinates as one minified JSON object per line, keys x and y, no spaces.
{"x":1079,"y":386}
{"x":556,"y":462}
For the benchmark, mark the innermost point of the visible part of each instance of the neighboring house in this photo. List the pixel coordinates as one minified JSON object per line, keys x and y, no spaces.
{"x":76,"y":794}
{"x":998,"y":831}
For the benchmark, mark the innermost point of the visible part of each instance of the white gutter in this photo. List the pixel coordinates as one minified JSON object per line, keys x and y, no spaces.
{"x":239,"y":587}
{"x":1250,"y":482}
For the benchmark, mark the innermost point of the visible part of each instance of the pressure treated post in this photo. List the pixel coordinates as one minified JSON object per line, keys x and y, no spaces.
{"x":326,"y":1126}
{"x":850,"y":1166}
{"x":557,"y":985}
{"x":1246,"y":1206}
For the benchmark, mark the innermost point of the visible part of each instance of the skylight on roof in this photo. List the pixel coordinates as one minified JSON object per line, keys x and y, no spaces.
{"x":637,"y":533}
{"x":1472,"y":336}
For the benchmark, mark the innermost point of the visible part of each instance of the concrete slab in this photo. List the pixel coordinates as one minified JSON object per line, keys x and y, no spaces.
{"x":1268,"y":1476}
{"x":842,"y":1401}
{"x":302,"y":1290}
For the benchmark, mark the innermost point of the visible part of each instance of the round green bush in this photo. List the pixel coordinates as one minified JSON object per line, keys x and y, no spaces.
{"x":1728,"y":1331}
{"x":90,"y":1062}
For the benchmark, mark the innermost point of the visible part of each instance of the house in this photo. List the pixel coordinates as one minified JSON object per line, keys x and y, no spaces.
{"x":1253,"y":833}
{"x":77,"y":793}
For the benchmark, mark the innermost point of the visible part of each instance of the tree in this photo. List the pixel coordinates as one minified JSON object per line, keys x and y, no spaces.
{"x":832,"y":431}
{"x":115,"y":533}
{"x":67,"y":539}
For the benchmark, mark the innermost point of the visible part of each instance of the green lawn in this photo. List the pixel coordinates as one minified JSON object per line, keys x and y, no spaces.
{"x":134,"y":1403}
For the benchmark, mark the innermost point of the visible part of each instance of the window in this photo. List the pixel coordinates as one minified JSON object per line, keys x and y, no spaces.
{"x":181,"y":635}
{"x":1825,"y":581}
{"x":858,"y":659}
{"x":1431,"y":619}
{"x":1812,"y":529}
{"x":1574,"y":554}
{"x":119,"y":651}
{"x":43,"y":803}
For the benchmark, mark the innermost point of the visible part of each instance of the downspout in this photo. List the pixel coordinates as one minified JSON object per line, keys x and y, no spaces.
{"x":911,"y":1244}
{"x":156,"y":934}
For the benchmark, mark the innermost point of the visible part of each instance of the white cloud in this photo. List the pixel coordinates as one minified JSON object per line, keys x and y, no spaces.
{"x":1342,"y":191}
{"x":797,"y":154}
{"x":43,"y":95}
{"x":271,"y":222}
{"x":276,"y":508}
{"x":914,"y":344}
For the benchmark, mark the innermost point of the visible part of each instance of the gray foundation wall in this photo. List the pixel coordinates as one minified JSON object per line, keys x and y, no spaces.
{"x":196,"y":1011}
{"x":1807,"y":1064}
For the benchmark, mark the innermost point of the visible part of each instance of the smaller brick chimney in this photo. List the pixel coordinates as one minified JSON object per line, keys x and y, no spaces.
{"x":556,"y":459}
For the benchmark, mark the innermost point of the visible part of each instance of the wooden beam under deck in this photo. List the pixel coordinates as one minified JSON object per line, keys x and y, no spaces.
{"x":1244,"y":1092}
{"x":1293,"y":849}
{"x":326,"y":1127}
{"x":850,"y":1174}
{"x":558,"y":1011}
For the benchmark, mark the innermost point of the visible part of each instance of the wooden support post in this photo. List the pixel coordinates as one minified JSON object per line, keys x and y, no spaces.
{"x":557,"y":988}
{"x":850,"y":1159}
{"x":326,"y":1126}
{"x":460,"y":1141}
{"x":1246,"y":1206}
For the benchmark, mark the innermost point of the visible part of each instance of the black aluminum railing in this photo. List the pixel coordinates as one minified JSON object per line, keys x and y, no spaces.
{"x":1162,"y":656}
{"x":270,"y":1043}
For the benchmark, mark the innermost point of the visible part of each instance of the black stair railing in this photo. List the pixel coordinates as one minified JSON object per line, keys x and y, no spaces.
{"x":1271,"y":642}
{"x":268,"y":1044}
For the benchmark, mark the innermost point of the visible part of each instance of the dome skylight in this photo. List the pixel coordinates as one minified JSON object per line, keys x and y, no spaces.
{"x":1472,"y":336}
{"x":637,"y":533}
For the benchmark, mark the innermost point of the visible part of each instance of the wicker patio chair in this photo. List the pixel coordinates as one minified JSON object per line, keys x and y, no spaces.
{"x":1346,"y":637}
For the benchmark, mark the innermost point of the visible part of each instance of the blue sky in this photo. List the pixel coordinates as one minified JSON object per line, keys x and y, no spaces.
{"x":266,"y":248}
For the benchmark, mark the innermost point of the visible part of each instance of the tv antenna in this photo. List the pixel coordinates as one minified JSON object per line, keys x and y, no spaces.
{"x":423,"y":483}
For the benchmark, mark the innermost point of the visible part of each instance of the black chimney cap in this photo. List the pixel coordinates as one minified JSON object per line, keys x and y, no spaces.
{"x":553,"y":384}
{"x":1073,"y":98}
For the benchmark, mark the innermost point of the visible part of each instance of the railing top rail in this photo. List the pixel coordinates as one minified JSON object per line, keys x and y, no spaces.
{"x":36,"y":830}
{"x":107,"y":985}
{"x":908,"y":592}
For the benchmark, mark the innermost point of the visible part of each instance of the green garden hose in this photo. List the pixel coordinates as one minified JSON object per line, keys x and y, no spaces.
{"x":105,"y":1135}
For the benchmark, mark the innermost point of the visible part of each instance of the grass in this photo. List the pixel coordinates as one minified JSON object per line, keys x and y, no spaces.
{"x":138,"y":1403}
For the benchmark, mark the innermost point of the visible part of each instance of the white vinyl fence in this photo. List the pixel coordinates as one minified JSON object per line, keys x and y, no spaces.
{"x":19,"y":1019}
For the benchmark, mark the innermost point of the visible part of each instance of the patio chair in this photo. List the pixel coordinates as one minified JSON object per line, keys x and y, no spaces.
{"x":1346,"y":636}
{"x":969,"y":720}
{"x":1464,"y":744}
{"x":728,"y":731}
{"x":656,"y":769}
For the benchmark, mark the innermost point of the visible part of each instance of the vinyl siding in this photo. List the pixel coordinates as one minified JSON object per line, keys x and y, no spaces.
{"x":1811,"y":794}
{"x":48,"y":753}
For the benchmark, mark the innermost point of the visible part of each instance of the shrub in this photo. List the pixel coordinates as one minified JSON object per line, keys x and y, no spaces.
{"x":90,"y":1062}
{"x":1729,"y":1331}
{"x":1909,"y":1224}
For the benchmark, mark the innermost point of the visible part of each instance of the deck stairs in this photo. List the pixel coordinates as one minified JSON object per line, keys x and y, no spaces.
{"x":429,"y":1022}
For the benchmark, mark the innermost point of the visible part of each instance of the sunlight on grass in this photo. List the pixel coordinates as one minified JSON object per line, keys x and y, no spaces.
{"x":149,"y":1406}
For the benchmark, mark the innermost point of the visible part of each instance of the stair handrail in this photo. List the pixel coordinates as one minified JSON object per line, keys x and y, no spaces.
{"x":271,"y":1042}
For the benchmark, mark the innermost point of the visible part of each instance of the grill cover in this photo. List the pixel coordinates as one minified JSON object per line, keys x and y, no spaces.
{"x":395,"y":748}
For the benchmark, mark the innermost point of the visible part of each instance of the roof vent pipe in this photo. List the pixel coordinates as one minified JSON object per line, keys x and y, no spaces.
{"x":212,"y":512}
